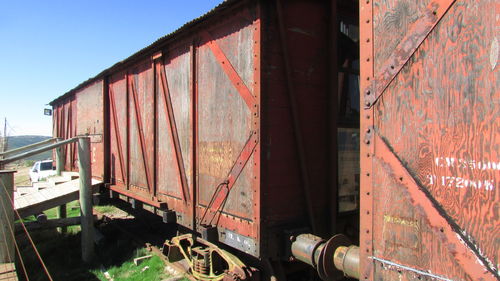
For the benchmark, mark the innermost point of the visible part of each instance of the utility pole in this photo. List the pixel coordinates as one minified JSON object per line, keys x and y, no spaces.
{"x":4,"y":140}
{"x":5,"y":135}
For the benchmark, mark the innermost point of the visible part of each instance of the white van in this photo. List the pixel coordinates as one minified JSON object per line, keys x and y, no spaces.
{"x":42,"y":170}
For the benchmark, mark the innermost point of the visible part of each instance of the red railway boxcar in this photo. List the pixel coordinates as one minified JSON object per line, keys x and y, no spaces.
{"x":244,"y":126}
{"x":224,"y":125}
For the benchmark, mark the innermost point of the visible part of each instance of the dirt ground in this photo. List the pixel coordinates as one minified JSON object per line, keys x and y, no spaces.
{"x":22,"y":176}
{"x":123,"y":236}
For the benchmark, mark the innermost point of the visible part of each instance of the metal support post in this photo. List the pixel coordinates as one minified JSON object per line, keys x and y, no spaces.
{"x":86,"y":199}
{"x":7,"y":254}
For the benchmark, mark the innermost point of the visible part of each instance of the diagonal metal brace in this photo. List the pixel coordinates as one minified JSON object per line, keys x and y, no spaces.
{"x":173,"y":130}
{"x":222,"y":191}
{"x":419,"y":30}
{"x":465,"y":253}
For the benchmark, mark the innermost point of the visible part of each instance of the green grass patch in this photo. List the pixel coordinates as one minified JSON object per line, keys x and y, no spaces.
{"x":72,"y":210}
{"x":62,"y":253}
{"x":151,"y":269}
{"x":106,"y":209}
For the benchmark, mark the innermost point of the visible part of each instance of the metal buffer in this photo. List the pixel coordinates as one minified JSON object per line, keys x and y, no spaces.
{"x":329,"y":257}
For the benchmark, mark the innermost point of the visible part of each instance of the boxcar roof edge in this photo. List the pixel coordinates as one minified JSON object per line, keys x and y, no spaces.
{"x":158,"y":44}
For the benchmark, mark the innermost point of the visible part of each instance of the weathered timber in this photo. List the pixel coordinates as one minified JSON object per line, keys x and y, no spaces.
{"x":87,"y":221}
{"x":6,"y":217}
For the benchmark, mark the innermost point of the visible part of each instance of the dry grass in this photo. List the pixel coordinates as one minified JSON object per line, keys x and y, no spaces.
{"x":22,"y":176}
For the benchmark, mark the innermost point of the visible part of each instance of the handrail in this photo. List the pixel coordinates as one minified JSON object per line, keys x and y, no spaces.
{"x":30,"y":146}
{"x":37,"y":151}
{"x":85,"y":179}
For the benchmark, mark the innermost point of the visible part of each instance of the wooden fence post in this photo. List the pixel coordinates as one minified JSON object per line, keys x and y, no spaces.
{"x":62,"y":215}
{"x":7,"y":254}
{"x":59,"y":159}
{"x":87,"y":223}
{"x":59,"y":169}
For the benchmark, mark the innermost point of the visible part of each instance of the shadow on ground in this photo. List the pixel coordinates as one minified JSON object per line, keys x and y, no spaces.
{"x":62,"y":252}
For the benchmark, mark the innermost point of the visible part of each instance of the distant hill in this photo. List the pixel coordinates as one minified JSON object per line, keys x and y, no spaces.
{"x":19,"y":141}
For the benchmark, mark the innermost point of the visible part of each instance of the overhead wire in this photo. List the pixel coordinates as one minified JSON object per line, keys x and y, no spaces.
{"x":11,"y":129}
{"x":26,"y":231}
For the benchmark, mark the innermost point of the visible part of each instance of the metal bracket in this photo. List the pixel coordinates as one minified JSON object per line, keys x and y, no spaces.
{"x":209,"y":233}
{"x":136,"y":204}
{"x":157,"y":55}
{"x":169,"y":216}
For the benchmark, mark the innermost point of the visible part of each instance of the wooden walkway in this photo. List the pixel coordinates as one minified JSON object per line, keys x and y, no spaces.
{"x":39,"y":201}
{"x":8,"y":272}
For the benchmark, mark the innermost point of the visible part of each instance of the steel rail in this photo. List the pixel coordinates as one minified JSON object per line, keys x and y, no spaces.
{"x":37,"y":151}
{"x":33,"y":145}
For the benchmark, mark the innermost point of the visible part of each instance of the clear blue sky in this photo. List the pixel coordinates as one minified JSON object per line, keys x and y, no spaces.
{"x":48,"y":47}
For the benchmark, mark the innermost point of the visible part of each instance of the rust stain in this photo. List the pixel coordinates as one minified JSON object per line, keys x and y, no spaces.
{"x":216,"y":158}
